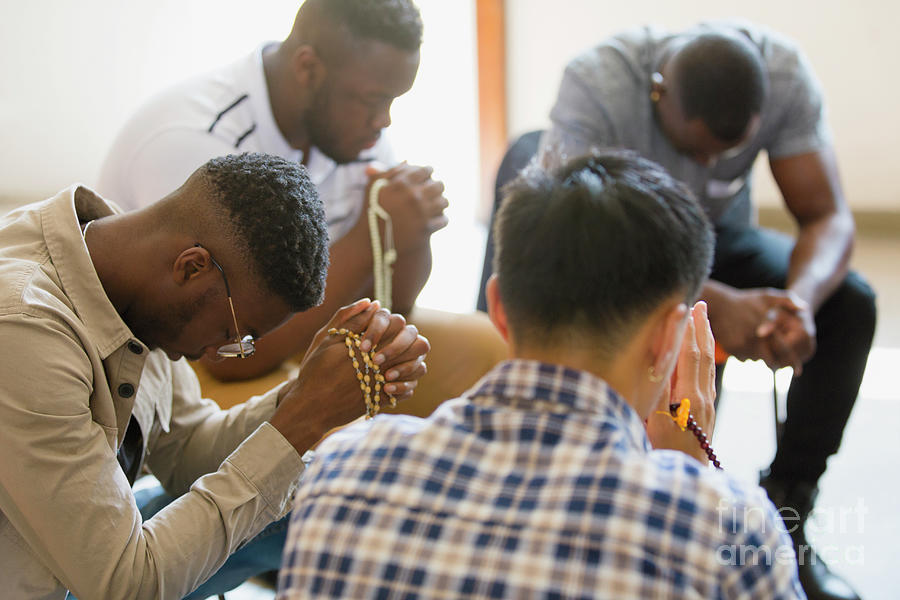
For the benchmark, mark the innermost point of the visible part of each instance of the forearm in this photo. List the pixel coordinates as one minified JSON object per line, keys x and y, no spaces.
{"x":812,"y":193}
{"x":821,"y":257}
{"x":201,"y":436}
{"x":91,"y":508}
{"x":190,"y":539}
{"x":411,"y":272}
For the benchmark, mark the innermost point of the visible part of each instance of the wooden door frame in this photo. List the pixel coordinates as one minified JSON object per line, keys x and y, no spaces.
{"x":492,"y":122}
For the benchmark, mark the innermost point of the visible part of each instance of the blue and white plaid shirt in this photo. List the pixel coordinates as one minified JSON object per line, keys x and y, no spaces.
{"x":538,"y":483}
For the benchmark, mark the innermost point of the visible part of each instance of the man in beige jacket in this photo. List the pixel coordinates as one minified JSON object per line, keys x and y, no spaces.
{"x":96,"y":311}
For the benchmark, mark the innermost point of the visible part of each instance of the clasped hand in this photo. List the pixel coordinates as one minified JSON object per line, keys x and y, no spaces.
{"x":767,"y":324}
{"x":325,"y":394}
{"x":694,"y":378}
{"x":415,"y":202}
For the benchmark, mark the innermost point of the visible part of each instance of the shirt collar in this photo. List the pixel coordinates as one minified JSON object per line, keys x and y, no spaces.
{"x":537,"y":385}
{"x":60,"y":217}
{"x":258,"y":94}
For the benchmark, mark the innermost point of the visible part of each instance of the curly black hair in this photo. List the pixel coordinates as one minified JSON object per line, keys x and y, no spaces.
{"x":395,"y":22}
{"x":279,"y":220}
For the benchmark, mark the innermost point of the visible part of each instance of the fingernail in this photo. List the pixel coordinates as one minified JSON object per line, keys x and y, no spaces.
{"x":390,"y":389}
{"x":392,"y":374}
{"x":365,"y":346}
{"x":379,"y":358}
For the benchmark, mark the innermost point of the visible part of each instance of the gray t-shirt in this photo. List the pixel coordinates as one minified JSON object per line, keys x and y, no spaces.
{"x":604,"y":101}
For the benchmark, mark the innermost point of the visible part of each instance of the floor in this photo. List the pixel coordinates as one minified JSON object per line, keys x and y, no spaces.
{"x":856,"y":521}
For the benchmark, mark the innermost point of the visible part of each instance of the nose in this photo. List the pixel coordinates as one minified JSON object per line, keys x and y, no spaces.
{"x":382,"y":118}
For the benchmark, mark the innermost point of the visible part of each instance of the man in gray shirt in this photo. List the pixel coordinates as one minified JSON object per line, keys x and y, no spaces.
{"x":704,"y":103}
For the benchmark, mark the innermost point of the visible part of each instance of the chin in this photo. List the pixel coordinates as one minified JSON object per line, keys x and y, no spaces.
{"x":173,"y":356}
{"x":339,"y":153}
{"x":343,"y":159}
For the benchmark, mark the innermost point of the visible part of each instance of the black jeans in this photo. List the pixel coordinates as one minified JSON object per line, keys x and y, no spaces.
{"x":819,"y":402}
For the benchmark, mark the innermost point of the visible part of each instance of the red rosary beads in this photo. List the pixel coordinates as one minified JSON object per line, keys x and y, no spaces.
{"x":681,"y":414}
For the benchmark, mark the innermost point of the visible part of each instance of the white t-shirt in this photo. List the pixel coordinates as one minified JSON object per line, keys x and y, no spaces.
{"x":223,"y":112}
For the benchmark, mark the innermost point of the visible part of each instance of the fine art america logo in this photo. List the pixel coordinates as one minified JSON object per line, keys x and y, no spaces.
{"x":756,"y":530}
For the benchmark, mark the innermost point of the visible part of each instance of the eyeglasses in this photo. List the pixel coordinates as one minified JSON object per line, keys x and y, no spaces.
{"x":241,"y":347}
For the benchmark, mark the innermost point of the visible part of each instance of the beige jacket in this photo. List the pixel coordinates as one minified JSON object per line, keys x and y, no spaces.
{"x":71,"y":375}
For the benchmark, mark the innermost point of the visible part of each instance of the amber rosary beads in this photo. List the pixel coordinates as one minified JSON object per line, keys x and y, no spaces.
{"x":368,"y":373}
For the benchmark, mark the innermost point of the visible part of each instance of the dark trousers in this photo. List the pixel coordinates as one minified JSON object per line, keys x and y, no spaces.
{"x":819,"y":402}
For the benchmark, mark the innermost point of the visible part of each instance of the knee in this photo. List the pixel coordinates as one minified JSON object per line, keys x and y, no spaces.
{"x":853,"y":303}
{"x":862,"y":301}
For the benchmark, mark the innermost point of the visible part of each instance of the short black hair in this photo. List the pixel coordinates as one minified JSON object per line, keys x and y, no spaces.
{"x":722,"y":80}
{"x":395,"y":22}
{"x":588,"y":249}
{"x":277,"y":220}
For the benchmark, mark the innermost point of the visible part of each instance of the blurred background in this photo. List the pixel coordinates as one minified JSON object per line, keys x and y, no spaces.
{"x":72,"y":72}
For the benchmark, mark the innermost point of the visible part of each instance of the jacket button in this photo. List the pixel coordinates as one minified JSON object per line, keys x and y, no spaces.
{"x":135,"y":347}
{"x":126,"y":390}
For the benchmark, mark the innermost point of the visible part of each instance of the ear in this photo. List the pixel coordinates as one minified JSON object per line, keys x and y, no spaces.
{"x":308,"y":68}
{"x":496,"y":311}
{"x":191,"y":264}
{"x":667,"y":338}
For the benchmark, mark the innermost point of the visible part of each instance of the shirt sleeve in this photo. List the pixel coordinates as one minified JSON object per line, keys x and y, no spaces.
{"x":67,"y":497}
{"x":201,"y":435}
{"x":797,"y":94}
{"x":760,"y":561}
{"x":578,"y":121}
{"x":158,"y":166}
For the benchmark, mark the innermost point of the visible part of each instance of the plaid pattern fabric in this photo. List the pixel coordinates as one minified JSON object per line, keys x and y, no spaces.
{"x":538,"y":483}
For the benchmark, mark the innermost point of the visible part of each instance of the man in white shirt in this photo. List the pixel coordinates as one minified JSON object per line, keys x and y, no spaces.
{"x":321,"y":97}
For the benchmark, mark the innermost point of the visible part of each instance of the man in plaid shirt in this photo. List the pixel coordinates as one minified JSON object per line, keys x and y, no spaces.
{"x":555,"y":476}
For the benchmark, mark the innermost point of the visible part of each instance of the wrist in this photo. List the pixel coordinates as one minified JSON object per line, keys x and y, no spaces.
{"x":301,"y":433}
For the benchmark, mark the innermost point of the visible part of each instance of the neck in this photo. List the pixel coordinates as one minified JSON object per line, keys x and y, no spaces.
{"x":119,"y":246}
{"x":616,"y":374}
{"x":283,"y":91}
{"x":625,"y":372}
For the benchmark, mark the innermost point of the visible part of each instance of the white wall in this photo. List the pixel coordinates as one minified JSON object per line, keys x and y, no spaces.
{"x":72,"y":72}
{"x":853,"y":47}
